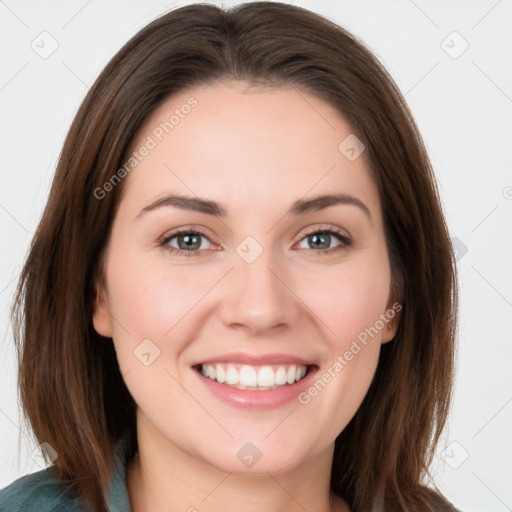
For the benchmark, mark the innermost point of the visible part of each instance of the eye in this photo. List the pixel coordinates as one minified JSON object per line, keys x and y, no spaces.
{"x":184,"y":242}
{"x":189,"y":242}
{"x":320,"y":241}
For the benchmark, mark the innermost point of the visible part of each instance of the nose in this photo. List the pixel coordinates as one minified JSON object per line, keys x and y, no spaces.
{"x":259,"y":297}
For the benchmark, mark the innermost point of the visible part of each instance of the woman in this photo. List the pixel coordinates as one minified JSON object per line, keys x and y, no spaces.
{"x":242,"y":290}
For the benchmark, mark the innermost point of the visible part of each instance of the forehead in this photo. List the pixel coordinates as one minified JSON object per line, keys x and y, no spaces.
{"x":238,"y":143}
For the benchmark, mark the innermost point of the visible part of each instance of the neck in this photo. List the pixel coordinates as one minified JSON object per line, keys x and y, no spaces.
{"x":162,"y":477}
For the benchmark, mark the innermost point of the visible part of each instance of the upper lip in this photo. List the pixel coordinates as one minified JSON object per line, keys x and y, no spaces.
{"x":255,"y":359}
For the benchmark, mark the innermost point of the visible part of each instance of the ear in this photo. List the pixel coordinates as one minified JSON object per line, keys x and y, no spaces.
{"x":101,"y":318}
{"x":392,"y":315}
{"x":394,"y":307}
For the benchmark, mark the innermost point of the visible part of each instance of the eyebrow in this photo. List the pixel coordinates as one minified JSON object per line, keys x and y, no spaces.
{"x":299,"y":207}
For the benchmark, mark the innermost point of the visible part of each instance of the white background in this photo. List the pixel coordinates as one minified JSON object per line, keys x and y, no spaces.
{"x":463,"y":107}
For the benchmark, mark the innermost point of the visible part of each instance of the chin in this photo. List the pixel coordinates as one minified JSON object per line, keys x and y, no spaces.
{"x":256,"y":458}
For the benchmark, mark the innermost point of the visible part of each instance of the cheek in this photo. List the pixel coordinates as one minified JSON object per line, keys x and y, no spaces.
{"x":348,"y":305}
{"x":149,"y":303}
{"x":149,"y":299}
{"x":347,"y":301}
{"x":149,"y":288}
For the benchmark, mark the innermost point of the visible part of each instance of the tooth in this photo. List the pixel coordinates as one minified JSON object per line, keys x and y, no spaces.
{"x":248,"y":376}
{"x":266,"y":376}
{"x":231,"y":375}
{"x":290,"y":377}
{"x":221,"y":374}
{"x":280,"y":376}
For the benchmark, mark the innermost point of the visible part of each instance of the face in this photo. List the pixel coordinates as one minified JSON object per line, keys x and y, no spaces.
{"x":266,"y":285}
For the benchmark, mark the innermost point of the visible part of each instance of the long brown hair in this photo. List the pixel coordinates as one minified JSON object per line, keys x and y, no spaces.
{"x":70,"y":385}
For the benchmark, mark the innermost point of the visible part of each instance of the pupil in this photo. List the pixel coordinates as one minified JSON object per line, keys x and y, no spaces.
{"x":318,"y":240}
{"x":190,"y":240}
{"x":316,"y":237}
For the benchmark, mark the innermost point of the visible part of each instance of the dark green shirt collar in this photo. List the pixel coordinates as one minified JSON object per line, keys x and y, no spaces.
{"x":118,"y":500}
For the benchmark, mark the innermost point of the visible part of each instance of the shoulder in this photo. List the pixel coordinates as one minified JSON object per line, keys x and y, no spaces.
{"x":38,"y":492}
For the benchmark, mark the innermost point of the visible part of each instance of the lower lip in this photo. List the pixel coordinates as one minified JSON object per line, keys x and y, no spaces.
{"x":257,"y":400}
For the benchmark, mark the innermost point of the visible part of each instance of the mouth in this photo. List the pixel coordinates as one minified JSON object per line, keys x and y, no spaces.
{"x":254,"y":377}
{"x":255,"y":382}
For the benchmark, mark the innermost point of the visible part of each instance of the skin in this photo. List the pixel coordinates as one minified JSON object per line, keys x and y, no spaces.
{"x":255,"y":151}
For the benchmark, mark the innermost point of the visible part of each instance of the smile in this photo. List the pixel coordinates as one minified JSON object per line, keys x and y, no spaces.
{"x":254,"y":378}
{"x":253,"y":381}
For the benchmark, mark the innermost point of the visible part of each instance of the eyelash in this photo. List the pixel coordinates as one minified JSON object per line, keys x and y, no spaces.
{"x":345,"y":241}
